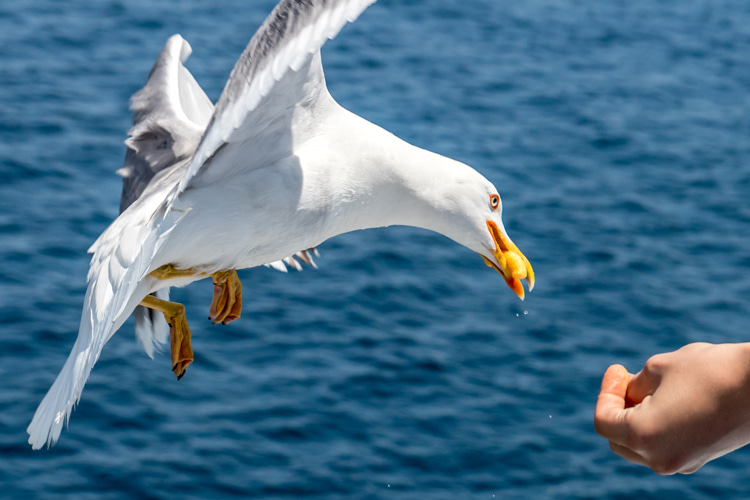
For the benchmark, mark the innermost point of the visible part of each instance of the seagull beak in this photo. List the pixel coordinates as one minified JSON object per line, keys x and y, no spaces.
{"x":511,"y":263}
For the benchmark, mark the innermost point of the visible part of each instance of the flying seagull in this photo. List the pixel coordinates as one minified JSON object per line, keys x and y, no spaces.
{"x":274,"y":169}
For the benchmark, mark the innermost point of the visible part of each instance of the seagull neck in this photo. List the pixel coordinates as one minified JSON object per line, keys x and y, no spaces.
{"x":403,"y":185}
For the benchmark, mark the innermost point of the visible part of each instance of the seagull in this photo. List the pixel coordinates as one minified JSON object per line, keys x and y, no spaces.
{"x":270,"y":172}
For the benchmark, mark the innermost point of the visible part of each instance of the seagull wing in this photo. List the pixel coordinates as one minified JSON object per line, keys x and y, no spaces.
{"x":278,"y":70}
{"x":170,"y":114}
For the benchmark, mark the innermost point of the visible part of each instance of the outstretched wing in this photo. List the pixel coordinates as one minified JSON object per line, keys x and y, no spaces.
{"x":170,"y":114}
{"x":262,"y":93}
{"x":115,"y":286}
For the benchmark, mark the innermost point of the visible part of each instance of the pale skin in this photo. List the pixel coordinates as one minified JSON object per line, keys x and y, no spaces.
{"x":684,"y":409}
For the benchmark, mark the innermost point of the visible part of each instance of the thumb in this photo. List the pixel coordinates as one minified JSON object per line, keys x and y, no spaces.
{"x":643,"y":384}
{"x":609,"y":416}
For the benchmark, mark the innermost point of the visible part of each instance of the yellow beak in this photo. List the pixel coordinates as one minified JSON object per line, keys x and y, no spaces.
{"x":511,"y":263}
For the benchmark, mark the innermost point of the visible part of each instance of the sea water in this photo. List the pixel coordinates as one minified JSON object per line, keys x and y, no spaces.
{"x":618,"y":135}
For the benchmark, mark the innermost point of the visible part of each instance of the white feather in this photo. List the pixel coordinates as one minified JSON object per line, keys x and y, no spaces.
{"x":224,"y":124}
{"x":151,"y":329}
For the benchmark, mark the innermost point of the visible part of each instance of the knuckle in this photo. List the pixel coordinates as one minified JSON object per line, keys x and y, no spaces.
{"x":655,"y":363}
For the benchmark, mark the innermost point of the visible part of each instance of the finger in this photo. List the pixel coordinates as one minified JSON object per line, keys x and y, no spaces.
{"x":610,"y":414}
{"x":645,"y":382}
{"x":628,"y":454}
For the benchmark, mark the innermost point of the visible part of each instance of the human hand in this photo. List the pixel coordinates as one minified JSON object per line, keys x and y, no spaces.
{"x":682,"y":410}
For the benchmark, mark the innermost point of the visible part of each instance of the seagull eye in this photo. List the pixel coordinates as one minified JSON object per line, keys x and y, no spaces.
{"x":494,"y":201}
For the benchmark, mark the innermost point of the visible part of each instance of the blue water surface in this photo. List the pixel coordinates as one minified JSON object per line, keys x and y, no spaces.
{"x":618,"y":134}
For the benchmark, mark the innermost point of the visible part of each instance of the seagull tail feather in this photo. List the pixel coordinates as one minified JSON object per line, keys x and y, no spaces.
{"x":151,"y":329}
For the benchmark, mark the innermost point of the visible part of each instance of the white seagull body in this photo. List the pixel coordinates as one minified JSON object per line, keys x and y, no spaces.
{"x":275,"y":168}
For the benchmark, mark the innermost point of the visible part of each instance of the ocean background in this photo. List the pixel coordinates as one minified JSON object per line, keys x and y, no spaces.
{"x":618,"y":134}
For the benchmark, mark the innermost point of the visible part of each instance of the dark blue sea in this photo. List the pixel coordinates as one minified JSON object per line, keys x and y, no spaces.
{"x":618,"y":134}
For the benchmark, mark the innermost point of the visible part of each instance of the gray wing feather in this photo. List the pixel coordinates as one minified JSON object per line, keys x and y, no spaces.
{"x":294,"y":31}
{"x":170,"y":114}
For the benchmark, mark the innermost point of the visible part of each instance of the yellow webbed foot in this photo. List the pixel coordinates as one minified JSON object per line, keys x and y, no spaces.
{"x":226,"y":305}
{"x":181,"y":350}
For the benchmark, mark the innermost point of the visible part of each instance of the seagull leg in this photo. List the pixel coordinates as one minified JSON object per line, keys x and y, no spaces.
{"x":168,"y":272}
{"x":181,"y":349}
{"x":226,"y":305}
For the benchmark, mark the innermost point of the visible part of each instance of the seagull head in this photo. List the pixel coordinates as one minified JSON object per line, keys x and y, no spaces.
{"x":471,"y":214}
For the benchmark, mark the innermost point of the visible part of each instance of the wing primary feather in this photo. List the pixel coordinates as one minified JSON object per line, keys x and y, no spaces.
{"x":294,"y":30}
